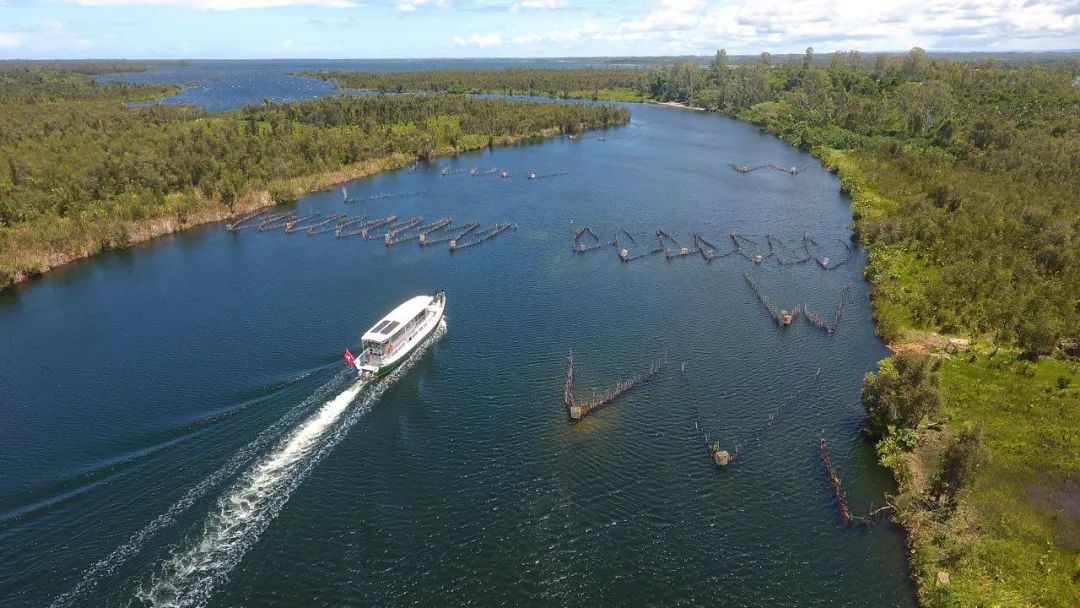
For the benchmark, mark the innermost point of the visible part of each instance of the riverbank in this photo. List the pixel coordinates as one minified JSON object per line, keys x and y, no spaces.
{"x":74,"y":242}
{"x":678,"y":104}
{"x":110,"y":175}
{"x":1009,"y":537}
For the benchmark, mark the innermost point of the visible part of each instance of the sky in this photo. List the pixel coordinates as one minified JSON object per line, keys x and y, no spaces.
{"x":242,"y":29}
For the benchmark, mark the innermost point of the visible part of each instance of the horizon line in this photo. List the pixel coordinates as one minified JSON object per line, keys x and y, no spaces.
{"x":541,"y":57}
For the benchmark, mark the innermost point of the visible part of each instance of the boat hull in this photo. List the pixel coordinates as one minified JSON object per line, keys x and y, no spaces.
{"x":388,"y":364}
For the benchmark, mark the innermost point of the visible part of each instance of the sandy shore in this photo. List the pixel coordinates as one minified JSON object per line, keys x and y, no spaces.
{"x":679,"y":104}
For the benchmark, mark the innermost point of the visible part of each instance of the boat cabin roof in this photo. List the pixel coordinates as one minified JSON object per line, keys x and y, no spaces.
{"x":407,"y":311}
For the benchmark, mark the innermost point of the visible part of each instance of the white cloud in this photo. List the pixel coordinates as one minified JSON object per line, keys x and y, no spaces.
{"x":480,"y":40}
{"x":410,"y":6}
{"x":46,"y":29}
{"x":49,"y":34}
{"x":537,"y":5}
{"x":889,"y":24}
{"x":11,"y":40}
{"x":221,"y":5}
{"x":750,"y":26}
{"x":586,"y":32}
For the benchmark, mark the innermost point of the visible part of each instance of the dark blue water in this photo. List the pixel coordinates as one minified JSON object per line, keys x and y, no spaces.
{"x":177,"y":426}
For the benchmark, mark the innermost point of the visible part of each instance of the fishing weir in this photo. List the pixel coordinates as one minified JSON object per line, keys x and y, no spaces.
{"x":817,"y":321}
{"x":280,"y":220}
{"x":357,"y":226}
{"x":592,"y":244}
{"x":329,"y":224}
{"x":362,"y":227}
{"x":738,"y":241}
{"x":535,"y":175}
{"x":757,"y":252}
{"x":719,"y":456}
{"x":305,"y":222}
{"x":707,"y":249}
{"x":579,"y":408}
{"x":344,"y":225}
{"x":779,"y":248}
{"x":385,"y":195}
{"x":457,"y":236}
{"x":791,"y":170}
{"x":248,"y":221}
{"x":744,"y":169}
{"x":393,"y":229}
{"x":782,"y":318}
{"x":834,"y":482}
{"x":367,"y":233}
{"x":625,"y":255}
{"x":398,"y":235}
{"x":479,"y":237}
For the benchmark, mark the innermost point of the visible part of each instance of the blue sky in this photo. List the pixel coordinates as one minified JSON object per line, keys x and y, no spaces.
{"x":521,"y":28}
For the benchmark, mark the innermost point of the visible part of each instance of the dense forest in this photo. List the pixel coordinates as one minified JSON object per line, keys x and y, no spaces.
{"x":612,"y":83}
{"x":79,"y":167}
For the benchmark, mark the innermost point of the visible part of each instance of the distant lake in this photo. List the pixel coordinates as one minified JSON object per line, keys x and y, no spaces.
{"x":178,"y":428}
{"x":226,"y":85}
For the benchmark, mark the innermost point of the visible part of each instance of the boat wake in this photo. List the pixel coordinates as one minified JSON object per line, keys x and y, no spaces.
{"x":189,"y":576}
{"x":107,"y":565}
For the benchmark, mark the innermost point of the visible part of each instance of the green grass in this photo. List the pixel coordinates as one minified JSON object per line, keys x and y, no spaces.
{"x":1015,"y":536}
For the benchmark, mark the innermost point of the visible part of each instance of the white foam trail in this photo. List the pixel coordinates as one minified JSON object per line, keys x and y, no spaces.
{"x":107,"y":565}
{"x":188,"y":577}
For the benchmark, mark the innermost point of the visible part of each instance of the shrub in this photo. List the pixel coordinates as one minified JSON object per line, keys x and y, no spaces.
{"x":960,"y":463}
{"x":904,"y":392}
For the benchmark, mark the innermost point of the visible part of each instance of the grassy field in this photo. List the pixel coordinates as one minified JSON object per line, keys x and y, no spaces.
{"x":1013,"y":537}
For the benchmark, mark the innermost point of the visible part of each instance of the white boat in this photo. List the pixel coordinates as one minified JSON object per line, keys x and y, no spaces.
{"x":390,"y":341}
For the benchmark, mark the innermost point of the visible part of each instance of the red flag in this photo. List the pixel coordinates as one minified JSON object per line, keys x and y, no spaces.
{"x":349,"y":357}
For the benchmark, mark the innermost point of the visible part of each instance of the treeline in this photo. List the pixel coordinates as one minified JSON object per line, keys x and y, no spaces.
{"x":89,"y":67}
{"x":584,"y":83}
{"x":76,"y":162}
{"x":966,"y":178}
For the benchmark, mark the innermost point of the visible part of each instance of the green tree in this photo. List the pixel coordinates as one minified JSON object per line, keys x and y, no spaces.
{"x":904,"y":392}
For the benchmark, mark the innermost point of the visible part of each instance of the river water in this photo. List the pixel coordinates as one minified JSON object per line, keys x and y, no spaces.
{"x":177,"y":427}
